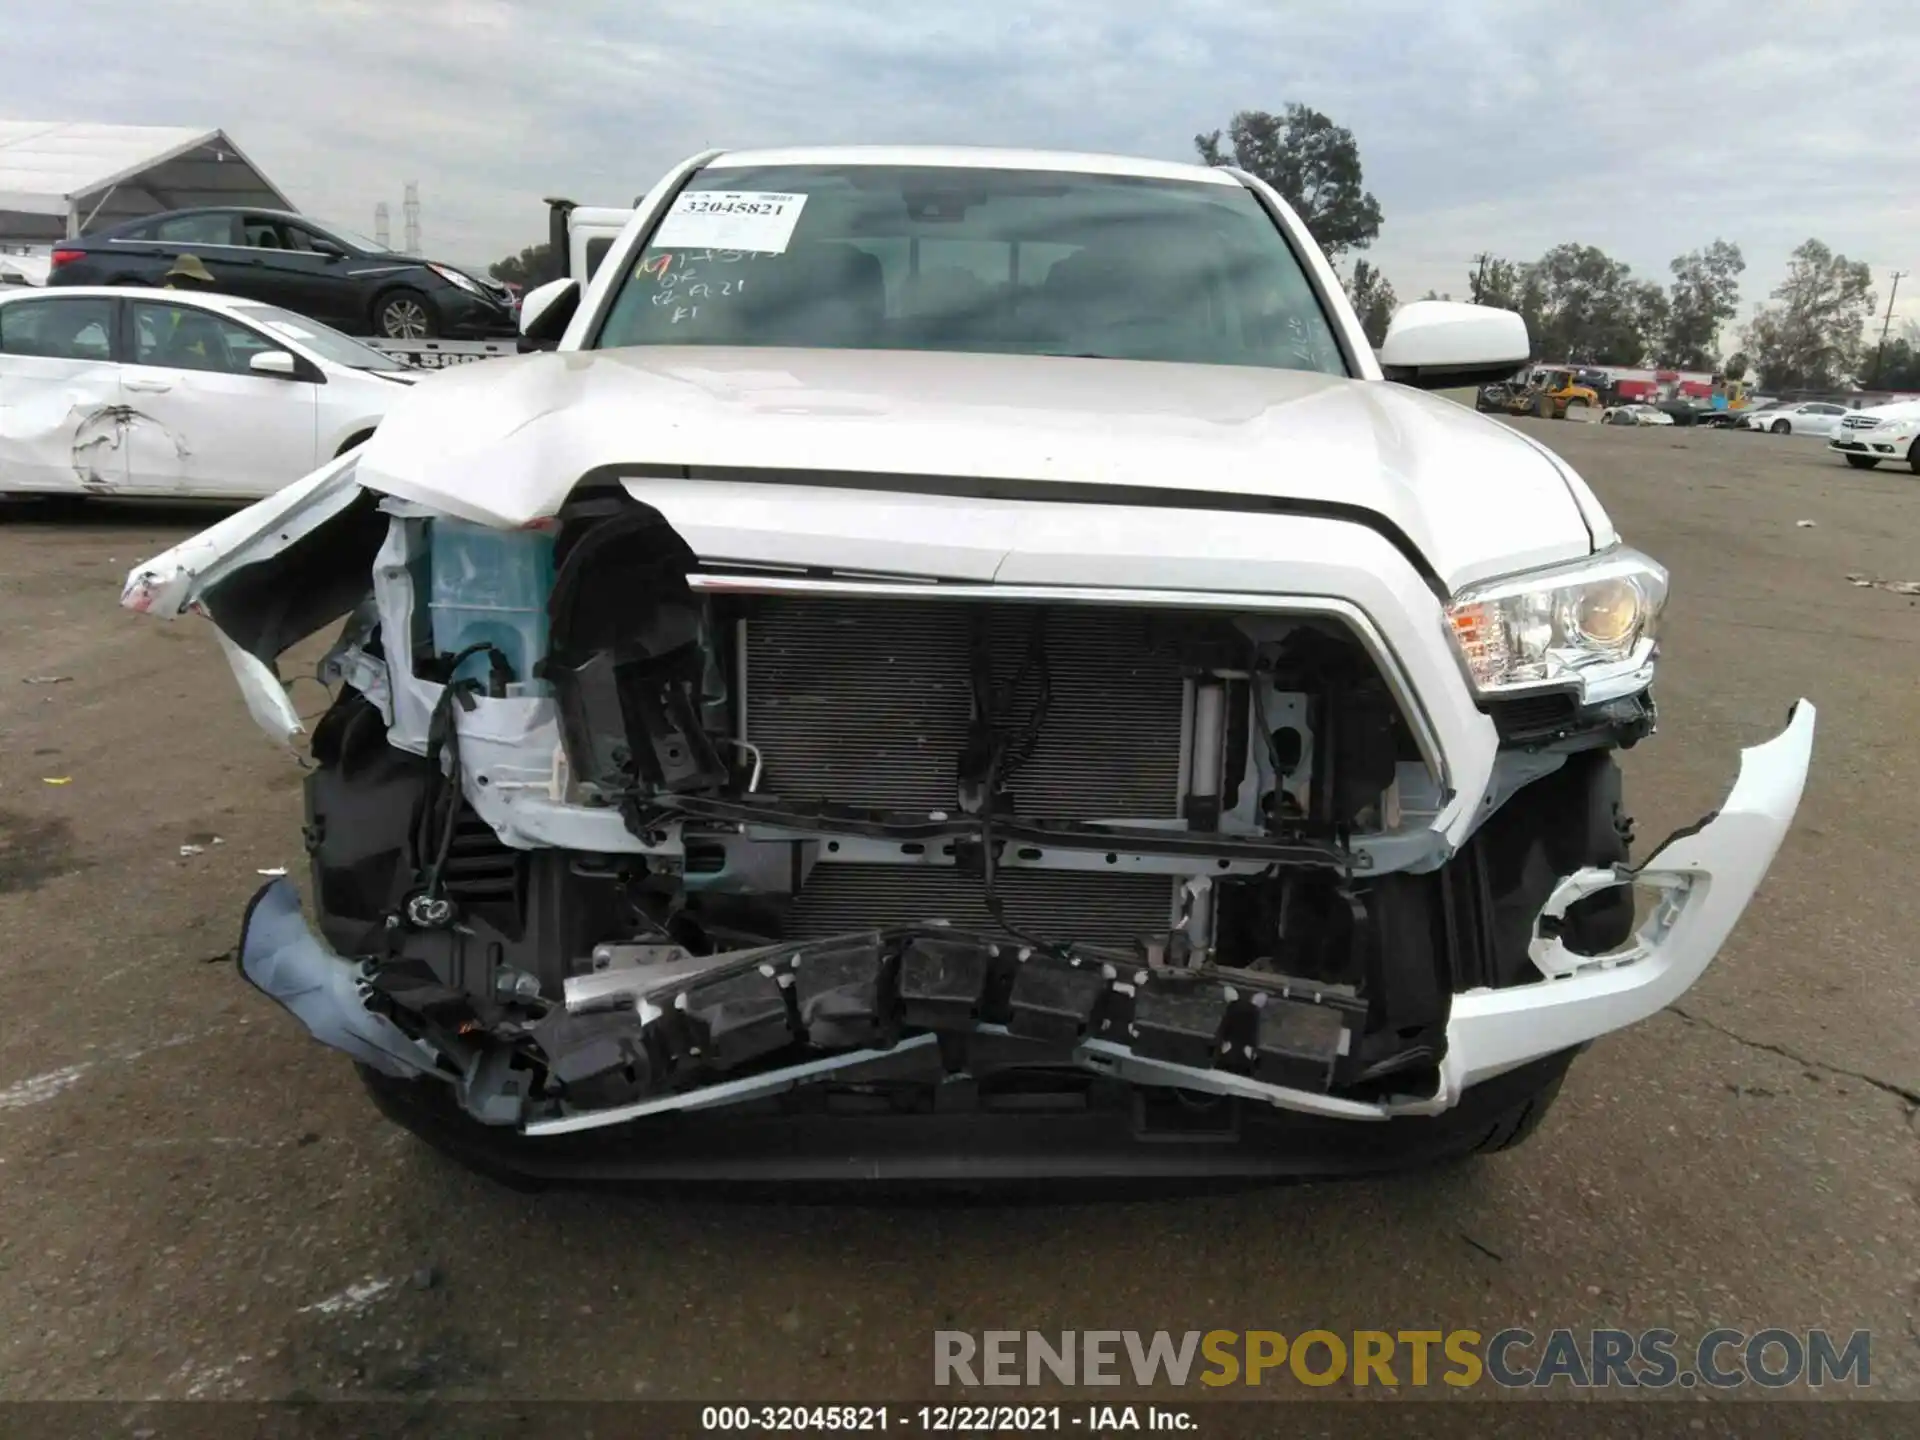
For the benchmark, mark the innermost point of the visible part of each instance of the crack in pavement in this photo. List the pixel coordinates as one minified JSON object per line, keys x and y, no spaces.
{"x":1902,"y":1092}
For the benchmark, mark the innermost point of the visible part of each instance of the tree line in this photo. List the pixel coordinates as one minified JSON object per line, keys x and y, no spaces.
{"x":1581,"y":305}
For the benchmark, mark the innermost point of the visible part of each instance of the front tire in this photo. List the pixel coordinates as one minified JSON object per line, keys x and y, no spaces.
{"x":1514,"y":1128}
{"x":1862,"y":462}
{"x":1781,"y":427}
{"x":404,"y":315}
{"x":421,"y":1107}
{"x":1913,"y":457}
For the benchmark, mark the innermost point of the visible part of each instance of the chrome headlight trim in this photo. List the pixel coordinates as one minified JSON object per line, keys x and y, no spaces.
{"x":1588,"y":625}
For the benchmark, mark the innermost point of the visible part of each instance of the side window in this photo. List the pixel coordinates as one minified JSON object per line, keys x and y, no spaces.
{"x":597,"y":249}
{"x":1829,"y":409}
{"x":195,"y":230}
{"x":183,"y":337}
{"x":261,"y":232}
{"x":77,"y":329}
{"x":296,"y":238}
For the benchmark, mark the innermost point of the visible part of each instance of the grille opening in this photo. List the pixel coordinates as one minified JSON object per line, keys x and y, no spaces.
{"x":870,"y":703}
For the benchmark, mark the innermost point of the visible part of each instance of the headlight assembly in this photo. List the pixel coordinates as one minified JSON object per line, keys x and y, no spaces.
{"x":1589,"y":625}
{"x":454,"y":277}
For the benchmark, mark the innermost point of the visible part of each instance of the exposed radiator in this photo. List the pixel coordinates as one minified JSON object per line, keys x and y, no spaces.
{"x":869,"y":702}
{"x":1091,"y":907}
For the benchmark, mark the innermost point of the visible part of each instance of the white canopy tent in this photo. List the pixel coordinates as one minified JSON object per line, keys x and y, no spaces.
{"x":59,"y":180}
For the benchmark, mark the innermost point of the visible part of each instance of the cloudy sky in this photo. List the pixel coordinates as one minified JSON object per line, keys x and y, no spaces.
{"x":1645,"y":129}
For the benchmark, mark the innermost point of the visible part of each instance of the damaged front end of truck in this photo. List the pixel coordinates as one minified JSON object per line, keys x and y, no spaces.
{"x":618,"y":832}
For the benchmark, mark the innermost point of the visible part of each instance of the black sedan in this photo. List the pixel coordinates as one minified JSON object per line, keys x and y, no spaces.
{"x":332,"y":275}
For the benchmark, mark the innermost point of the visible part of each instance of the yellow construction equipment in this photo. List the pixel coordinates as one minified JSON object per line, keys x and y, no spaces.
{"x":1554,"y":393}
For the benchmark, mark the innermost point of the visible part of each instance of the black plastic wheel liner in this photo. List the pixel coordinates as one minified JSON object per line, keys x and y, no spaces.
{"x":1124,"y":1141}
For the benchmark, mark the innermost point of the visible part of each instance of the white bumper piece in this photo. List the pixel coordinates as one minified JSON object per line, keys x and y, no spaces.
{"x":1705,"y":876}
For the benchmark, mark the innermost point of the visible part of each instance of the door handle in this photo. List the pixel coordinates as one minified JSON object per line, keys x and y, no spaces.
{"x":150,"y":386}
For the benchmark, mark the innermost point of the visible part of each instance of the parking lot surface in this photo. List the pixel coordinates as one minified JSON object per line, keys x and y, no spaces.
{"x":198,"y":1201}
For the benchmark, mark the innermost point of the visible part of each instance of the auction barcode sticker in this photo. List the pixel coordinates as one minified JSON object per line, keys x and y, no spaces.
{"x":760,"y":220}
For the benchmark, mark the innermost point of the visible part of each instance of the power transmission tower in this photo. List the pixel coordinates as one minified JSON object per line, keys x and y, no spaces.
{"x":382,"y":226}
{"x":1479,"y":278}
{"x":1881,"y":349}
{"x":411,"y":208}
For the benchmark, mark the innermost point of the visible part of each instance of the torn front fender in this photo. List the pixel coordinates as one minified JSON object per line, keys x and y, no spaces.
{"x":266,"y":697}
{"x":176,"y":580}
{"x":267,"y":577}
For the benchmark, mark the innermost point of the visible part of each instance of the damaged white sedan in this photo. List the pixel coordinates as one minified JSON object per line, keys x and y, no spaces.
{"x":136,"y":391}
{"x":964,"y":665}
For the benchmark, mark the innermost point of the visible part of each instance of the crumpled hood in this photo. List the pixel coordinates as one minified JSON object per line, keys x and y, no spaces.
{"x":504,"y":442}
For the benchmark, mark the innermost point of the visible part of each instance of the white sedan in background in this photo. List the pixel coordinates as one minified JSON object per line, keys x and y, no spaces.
{"x":1813,"y":417}
{"x":133,"y":391}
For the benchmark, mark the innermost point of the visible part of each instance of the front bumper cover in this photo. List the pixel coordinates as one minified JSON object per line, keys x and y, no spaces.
{"x":1705,"y":876}
{"x":1887,"y":445}
{"x":479,"y":316}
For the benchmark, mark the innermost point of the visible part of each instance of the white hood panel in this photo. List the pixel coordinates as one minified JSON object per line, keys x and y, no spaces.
{"x":504,"y":443}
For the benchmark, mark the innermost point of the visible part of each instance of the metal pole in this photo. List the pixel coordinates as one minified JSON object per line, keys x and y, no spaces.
{"x":1881,"y":349}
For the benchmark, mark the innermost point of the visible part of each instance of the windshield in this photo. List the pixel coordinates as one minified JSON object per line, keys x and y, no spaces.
{"x":994,"y":261}
{"x":357,"y":241}
{"x":328,"y":344}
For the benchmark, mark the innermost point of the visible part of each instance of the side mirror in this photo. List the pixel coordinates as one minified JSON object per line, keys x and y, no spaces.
{"x":323,"y":246}
{"x":277,"y":363}
{"x":1443,"y":344}
{"x":546,"y":311}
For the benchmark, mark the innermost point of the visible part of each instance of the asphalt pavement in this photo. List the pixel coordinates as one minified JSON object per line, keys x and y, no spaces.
{"x":196,"y":1201}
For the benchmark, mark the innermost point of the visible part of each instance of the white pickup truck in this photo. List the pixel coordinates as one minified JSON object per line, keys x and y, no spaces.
{"x":967,"y":665}
{"x":580,"y":234}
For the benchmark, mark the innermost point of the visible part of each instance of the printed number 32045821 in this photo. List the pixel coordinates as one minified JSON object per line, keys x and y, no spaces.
{"x":694,"y":206}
